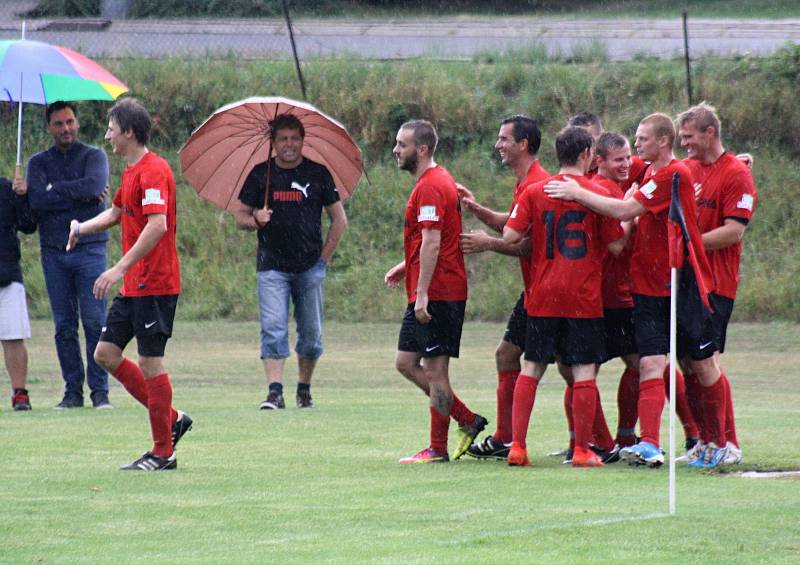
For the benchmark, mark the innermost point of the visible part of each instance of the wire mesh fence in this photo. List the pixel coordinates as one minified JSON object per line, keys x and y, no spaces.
{"x":99,"y":37}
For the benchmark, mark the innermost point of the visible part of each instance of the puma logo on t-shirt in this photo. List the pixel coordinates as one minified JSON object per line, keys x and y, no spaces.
{"x":304,"y":189}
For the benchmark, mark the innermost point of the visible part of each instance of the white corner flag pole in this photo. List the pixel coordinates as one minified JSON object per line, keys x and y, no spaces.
{"x":673,"y":363}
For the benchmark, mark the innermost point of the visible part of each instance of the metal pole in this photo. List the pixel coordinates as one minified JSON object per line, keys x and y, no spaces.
{"x":688,"y":60}
{"x":673,"y":364}
{"x":294,"y":49}
{"x":19,"y":128}
{"x":18,"y":170}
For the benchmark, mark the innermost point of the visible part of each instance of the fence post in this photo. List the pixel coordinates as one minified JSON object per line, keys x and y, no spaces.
{"x":688,"y":60}
{"x":294,"y":50}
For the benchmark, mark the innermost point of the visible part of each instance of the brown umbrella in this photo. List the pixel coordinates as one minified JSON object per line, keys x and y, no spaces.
{"x":220,"y":154}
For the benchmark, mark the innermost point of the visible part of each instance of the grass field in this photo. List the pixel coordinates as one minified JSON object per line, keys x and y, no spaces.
{"x":323,"y":485}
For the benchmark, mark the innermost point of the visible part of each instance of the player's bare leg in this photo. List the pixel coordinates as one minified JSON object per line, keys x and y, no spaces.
{"x":305,"y":370}
{"x":15,"y":355}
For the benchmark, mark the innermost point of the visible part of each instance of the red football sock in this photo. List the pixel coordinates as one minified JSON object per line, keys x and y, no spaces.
{"x":730,"y":418}
{"x":439,"y":427}
{"x":600,"y":432}
{"x":159,"y":404}
{"x":506,"y":380}
{"x":714,"y":411}
{"x":627,"y":406}
{"x":682,"y":408}
{"x":524,"y":397}
{"x":651,"y":405}
{"x":568,"y":398}
{"x":693,"y":395}
{"x":584,"y":403}
{"x":460,"y":413}
{"x":130,"y":375}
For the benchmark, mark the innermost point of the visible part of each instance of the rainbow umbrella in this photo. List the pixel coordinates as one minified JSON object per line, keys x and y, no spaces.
{"x":40,"y":73}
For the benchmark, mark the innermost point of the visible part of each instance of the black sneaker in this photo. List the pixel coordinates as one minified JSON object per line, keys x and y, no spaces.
{"x":150,"y":462}
{"x":467,"y":434}
{"x":606,"y":456}
{"x":20,"y":399}
{"x":70,"y":402}
{"x":182,"y":425}
{"x":100,"y":401}
{"x":568,"y":456}
{"x":303,"y":399}
{"x":274,"y":401}
{"x":690,"y":442}
{"x":489,"y":448}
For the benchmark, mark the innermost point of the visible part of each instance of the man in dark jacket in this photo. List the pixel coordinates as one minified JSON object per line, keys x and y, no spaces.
{"x":15,"y":215}
{"x":68,"y":181}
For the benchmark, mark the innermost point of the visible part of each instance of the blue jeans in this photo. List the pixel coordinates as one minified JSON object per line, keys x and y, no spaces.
{"x":275,"y":288}
{"x":69,"y":278}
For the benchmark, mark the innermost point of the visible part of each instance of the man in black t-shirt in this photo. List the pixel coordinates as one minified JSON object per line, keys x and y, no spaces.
{"x":292,"y":259}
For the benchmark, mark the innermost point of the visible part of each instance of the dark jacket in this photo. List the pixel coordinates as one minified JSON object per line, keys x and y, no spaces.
{"x":15,"y":215}
{"x":76,"y":181}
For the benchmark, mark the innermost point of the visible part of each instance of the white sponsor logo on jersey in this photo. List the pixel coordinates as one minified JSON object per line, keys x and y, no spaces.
{"x":427,"y":214}
{"x":514,"y":211}
{"x":304,"y":189}
{"x":152,"y":196}
{"x":698,"y":188}
{"x":648,"y":189}
{"x":746,"y":202}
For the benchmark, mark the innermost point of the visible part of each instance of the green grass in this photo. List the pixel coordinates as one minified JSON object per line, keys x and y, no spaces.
{"x":323,"y":486}
{"x":602,"y":9}
{"x":623,"y":9}
{"x":466,"y":101}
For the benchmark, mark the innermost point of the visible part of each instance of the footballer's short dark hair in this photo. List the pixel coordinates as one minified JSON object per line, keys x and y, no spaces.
{"x":570,"y":143}
{"x":130,"y":115}
{"x":525,"y":127}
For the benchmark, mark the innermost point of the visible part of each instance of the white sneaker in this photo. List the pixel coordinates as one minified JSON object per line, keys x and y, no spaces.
{"x":693,"y":454}
{"x":734,"y":455}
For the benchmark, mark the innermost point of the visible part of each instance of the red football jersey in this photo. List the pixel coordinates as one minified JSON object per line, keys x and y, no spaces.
{"x":617,"y":284}
{"x":650,"y":271}
{"x":569,"y":243}
{"x":434,"y":204}
{"x":723,"y":189}
{"x":148,"y":187}
{"x":536,"y":173}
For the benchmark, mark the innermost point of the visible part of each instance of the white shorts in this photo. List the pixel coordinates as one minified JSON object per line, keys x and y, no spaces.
{"x":14,"y":323}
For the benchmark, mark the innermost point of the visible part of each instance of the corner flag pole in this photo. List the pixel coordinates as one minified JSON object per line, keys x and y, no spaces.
{"x":675,"y":214}
{"x":673,"y":362}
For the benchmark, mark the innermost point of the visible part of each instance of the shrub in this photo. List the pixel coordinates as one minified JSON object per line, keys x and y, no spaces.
{"x":466,"y":101}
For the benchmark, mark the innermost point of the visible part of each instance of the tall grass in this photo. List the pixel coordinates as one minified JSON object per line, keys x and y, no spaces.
{"x":756,"y":98}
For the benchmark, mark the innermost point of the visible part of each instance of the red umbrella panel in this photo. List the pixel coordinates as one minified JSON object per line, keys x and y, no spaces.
{"x":219,"y":155}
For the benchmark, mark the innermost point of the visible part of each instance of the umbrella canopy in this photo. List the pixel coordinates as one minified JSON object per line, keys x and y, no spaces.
{"x":47,"y":73}
{"x":219,"y":155}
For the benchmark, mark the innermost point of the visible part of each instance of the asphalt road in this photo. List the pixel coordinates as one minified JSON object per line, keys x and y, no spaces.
{"x":447,"y":38}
